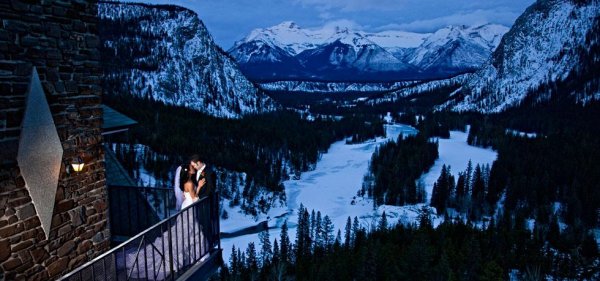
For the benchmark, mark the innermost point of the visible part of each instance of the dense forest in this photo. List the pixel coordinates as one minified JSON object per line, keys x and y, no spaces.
{"x":395,"y":168}
{"x":454,"y":250}
{"x":269,"y":148}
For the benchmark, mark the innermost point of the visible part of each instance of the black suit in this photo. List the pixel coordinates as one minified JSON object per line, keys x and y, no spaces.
{"x":210,"y":184}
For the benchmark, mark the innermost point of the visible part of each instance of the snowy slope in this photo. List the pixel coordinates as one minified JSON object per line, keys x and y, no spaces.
{"x":418,"y":88}
{"x":333,"y":53}
{"x":166,"y":53}
{"x":543,"y":45}
{"x":457,"y":47}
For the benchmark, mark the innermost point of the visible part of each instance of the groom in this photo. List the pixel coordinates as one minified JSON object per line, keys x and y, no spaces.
{"x":203,"y":172}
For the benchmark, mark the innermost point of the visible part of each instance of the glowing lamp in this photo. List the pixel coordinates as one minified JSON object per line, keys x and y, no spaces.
{"x":77,"y":164}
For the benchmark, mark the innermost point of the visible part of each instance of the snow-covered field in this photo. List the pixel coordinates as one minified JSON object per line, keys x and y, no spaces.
{"x":331,"y":188}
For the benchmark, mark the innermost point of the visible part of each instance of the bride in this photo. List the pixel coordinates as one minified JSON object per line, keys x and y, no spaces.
{"x":151,"y":260}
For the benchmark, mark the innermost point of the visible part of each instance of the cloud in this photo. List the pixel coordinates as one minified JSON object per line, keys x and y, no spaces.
{"x":343,"y":23}
{"x":467,"y":18}
{"x":355,"y":5}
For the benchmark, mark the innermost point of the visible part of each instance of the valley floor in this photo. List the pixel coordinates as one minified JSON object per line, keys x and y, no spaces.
{"x":332,"y":187}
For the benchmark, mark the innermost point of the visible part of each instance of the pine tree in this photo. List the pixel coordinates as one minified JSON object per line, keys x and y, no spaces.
{"x":468,"y":177}
{"x":460,"y":194}
{"x":276,"y":252}
{"x":251,"y":260}
{"x":328,"y":229}
{"x":424,"y":219}
{"x":319,"y":239}
{"x":383,"y":224}
{"x":285,"y":243}
{"x":348,"y":233}
{"x":442,"y":189}
{"x":234,"y":262}
{"x":355,"y":230}
{"x":313,"y":225}
{"x":266,"y":252}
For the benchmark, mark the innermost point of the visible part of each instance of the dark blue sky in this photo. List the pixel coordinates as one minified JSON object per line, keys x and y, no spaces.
{"x":231,"y":20}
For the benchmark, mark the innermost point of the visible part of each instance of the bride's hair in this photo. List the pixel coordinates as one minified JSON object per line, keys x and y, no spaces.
{"x":184,"y":176}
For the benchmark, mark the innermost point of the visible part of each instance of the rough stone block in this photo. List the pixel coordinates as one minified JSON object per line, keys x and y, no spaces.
{"x":20,"y":246}
{"x":66,"y":249}
{"x":58,"y":266}
{"x":4,"y":253}
{"x":11,"y":264}
{"x":39,"y":254}
{"x":26,"y":212}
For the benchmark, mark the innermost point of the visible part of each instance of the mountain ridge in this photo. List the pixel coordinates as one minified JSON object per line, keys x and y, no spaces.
{"x":545,"y":45}
{"x":333,"y":53}
{"x":165,"y":53}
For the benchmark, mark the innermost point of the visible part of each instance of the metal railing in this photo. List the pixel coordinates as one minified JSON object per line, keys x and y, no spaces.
{"x":164,"y":251}
{"x":134,"y":208}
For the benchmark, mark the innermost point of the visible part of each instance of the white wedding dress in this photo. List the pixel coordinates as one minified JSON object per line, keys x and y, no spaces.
{"x":188,"y":244}
{"x":187,"y":201}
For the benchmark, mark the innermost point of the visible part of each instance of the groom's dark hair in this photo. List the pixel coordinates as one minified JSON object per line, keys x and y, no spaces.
{"x":195,"y":158}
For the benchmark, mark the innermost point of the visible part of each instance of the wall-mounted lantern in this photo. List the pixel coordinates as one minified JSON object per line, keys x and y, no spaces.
{"x":77,"y":164}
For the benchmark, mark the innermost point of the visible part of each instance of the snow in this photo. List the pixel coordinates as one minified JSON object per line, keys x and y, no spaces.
{"x":456,"y":153}
{"x":397,"y":39}
{"x":192,"y":68}
{"x":540,"y":47}
{"x":394,"y":47}
{"x":331,"y":188}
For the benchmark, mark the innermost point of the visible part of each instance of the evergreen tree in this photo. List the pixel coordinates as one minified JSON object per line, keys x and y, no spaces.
{"x":251,"y":260}
{"x":285,"y":243}
{"x":234,"y":262}
{"x":338,"y":238}
{"x":468,"y":177}
{"x":266,"y":252}
{"x":276,"y":252}
{"x":348,"y":233}
{"x":319,"y":233}
{"x":328,"y":229}
{"x":383,"y":224}
{"x":424,"y":219}
{"x":313,"y":225}
{"x":442,"y":189}
{"x":355,"y":230}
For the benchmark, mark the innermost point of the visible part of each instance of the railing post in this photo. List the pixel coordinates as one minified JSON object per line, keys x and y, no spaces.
{"x":218,"y":220}
{"x":170,"y":250}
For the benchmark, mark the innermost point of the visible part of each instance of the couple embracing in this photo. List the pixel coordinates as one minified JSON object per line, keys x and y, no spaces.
{"x":193,"y":180}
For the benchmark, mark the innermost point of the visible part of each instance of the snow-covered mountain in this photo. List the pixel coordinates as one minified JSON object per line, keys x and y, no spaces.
{"x":457,"y":48}
{"x":337,"y":53}
{"x":166,"y":53}
{"x":547,"y":43}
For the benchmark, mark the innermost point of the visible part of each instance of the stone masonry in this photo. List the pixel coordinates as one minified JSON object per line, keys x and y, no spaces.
{"x":59,"y":38}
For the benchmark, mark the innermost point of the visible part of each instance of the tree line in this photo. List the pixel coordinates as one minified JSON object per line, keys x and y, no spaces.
{"x":455,"y":250}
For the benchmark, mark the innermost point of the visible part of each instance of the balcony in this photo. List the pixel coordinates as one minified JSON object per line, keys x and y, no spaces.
{"x":151,"y":239}
{"x":183,"y":246}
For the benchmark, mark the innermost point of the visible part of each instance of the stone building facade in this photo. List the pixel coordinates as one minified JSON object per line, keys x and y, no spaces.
{"x":59,"y":38}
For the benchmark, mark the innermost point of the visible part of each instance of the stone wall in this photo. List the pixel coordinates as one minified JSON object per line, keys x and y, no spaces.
{"x":60,"y":39}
